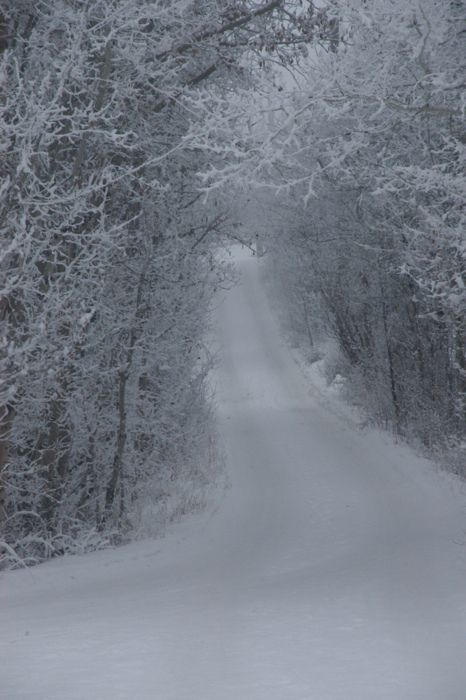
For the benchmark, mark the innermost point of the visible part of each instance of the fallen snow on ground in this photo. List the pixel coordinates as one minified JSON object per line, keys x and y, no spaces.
{"x":334,"y":568}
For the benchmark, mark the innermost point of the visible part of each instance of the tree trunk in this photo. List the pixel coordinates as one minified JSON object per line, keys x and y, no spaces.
{"x":390,"y":358}
{"x":117,"y":475}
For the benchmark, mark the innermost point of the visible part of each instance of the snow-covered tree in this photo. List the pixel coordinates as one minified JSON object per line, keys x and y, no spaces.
{"x":366,"y":143}
{"x":107,"y":262}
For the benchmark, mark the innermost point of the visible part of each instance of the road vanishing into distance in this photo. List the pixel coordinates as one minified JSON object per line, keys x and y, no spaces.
{"x":333,"y":567}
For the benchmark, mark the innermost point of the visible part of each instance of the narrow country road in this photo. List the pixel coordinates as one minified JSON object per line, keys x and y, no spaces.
{"x":333,"y":569}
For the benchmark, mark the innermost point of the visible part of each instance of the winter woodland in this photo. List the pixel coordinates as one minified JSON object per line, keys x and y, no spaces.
{"x":137,"y":138}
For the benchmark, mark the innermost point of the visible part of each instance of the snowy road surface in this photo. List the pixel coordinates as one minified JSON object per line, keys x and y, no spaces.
{"x":333,"y":569}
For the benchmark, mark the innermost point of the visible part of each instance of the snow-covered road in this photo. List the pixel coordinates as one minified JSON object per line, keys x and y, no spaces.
{"x":333,"y":569}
